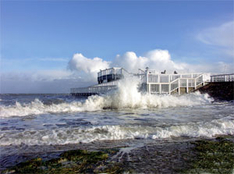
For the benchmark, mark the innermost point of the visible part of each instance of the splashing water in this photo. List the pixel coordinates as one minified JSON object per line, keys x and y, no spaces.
{"x":116,"y":132}
{"x":119,"y":115}
{"x":126,"y":96}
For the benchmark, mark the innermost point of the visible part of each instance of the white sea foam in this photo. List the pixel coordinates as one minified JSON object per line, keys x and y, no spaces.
{"x":95,"y":103}
{"x":127,"y":96}
{"x":115,"y":132}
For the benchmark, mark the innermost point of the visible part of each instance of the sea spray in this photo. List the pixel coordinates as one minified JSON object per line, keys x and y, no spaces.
{"x":127,"y":95}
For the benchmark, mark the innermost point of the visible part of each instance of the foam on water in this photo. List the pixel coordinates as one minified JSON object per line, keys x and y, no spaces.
{"x":126,"y":96}
{"x":222,"y":126}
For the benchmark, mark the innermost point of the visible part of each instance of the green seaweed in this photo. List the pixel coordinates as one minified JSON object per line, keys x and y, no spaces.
{"x":213,"y":156}
{"x":30,"y":166}
{"x":74,"y":161}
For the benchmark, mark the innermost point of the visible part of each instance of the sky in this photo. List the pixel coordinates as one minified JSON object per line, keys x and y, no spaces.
{"x":51,"y":46}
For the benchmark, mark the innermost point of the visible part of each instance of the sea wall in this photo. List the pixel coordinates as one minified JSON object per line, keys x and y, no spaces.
{"x":219,"y":90}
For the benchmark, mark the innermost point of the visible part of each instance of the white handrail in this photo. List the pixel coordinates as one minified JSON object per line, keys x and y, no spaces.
{"x":222,"y":78}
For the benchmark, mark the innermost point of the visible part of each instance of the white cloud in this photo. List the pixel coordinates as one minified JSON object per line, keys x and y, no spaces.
{"x":130,"y":61}
{"x":90,"y":66}
{"x":224,"y":67}
{"x":221,"y":36}
{"x":159,"y":60}
{"x":155,"y":59}
{"x":213,"y":68}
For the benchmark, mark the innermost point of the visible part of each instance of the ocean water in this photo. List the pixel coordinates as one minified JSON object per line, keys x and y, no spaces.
{"x":125,"y":114}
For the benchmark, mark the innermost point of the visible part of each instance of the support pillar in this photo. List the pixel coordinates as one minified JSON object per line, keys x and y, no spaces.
{"x":195,"y":84}
{"x":187,"y":88}
{"x":169,"y":92}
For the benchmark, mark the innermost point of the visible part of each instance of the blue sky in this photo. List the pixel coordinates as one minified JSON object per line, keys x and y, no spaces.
{"x":40,"y":37}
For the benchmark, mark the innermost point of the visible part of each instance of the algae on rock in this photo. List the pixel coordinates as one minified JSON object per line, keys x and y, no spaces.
{"x":74,"y":161}
{"x":213,"y":156}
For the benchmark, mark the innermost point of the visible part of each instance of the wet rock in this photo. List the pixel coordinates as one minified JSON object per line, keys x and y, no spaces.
{"x":219,"y":90}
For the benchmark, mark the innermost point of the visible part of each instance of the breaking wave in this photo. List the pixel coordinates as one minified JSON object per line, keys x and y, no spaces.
{"x":112,"y":101}
{"x":126,"y":96}
{"x":222,"y":126}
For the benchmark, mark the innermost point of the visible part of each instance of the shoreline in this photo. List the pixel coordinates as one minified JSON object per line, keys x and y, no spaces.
{"x":145,"y":157}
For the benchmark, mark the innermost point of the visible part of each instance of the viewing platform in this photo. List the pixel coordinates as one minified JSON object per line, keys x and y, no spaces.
{"x":150,"y":82}
{"x":163,"y":83}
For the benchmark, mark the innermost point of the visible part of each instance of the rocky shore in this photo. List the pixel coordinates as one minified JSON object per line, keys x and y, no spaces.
{"x":193,"y":156}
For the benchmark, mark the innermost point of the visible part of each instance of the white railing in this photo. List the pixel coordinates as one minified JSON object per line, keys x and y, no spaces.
{"x":222,"y":78}
{"x":174,"y":85}
{"x":166,"y":78}
{"x":168,"y":83}
{"x":109,"y":71}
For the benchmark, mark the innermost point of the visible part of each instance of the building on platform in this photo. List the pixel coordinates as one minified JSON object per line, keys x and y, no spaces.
{"x":151,"y":82}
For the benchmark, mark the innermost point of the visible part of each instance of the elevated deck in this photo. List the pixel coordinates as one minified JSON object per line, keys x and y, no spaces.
{"x":96,"y":89}
{"x":155,"y":83}
{"x":150,"y":81}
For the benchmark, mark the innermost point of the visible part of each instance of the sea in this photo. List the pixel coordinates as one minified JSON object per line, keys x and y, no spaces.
{"x":40,"y":121}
